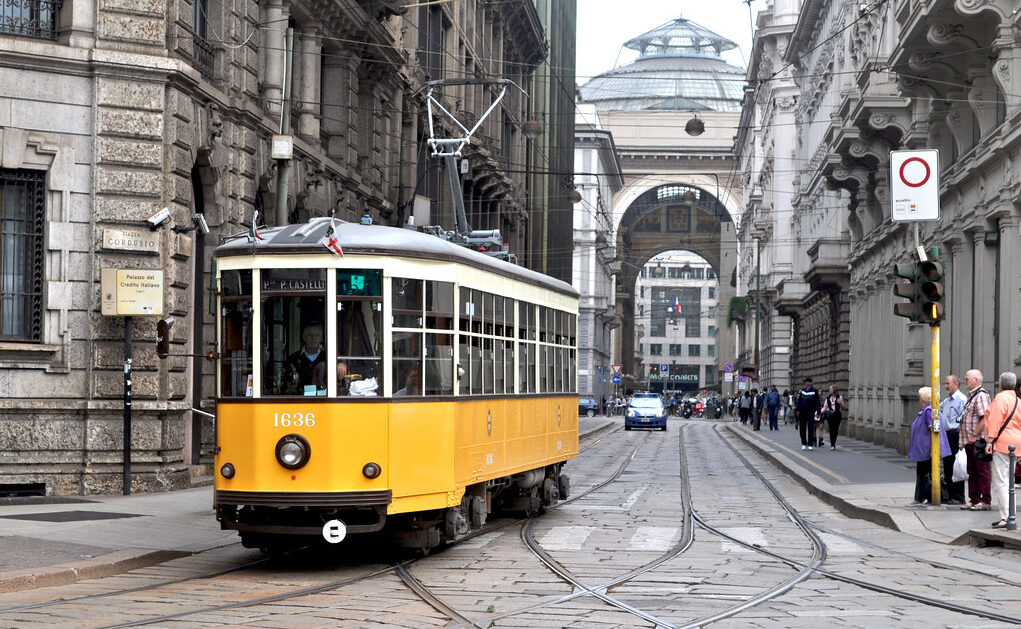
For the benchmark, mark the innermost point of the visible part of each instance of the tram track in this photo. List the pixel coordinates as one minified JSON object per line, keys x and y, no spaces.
{"x":398,"y":569}
{"x":815,"y":568}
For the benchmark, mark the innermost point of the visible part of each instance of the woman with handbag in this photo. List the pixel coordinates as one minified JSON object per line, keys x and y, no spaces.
{"x":1003,"y":426}
{"x":920,"y":447}
{"x":832,"y":412}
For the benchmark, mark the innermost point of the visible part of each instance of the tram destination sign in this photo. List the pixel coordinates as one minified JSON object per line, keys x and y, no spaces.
{"x":131,"y":292}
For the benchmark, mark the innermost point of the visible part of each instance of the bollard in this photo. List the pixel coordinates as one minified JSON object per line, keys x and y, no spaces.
{"x":1012,"y":509}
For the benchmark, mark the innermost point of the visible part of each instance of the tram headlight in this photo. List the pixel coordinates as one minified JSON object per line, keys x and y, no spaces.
{"x":227,"y":470}
{"x":371,"y":470}
{"x":293,"y":451}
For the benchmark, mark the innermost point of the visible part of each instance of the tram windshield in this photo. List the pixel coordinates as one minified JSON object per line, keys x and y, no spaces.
{"x":293,"y":340}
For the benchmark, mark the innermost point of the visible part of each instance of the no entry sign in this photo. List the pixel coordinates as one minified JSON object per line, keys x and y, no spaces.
{"x":914,"y":185}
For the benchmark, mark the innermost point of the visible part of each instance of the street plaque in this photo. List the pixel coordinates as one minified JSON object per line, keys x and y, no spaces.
{"x":130,"y":292}
{"x":914,"y":185}
{"x":130,"y":240}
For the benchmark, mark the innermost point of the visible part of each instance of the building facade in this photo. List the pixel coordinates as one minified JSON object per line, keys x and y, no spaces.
{"x":673,"y":113}
{"x":597,"y":177}
{"x":859,"y":82}
{"x":677,"y":300}
{"x":110,"y":113}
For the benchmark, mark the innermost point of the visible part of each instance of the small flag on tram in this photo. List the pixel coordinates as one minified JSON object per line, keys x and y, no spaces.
{"x":330,"y":239}
{"x":253,"y":231}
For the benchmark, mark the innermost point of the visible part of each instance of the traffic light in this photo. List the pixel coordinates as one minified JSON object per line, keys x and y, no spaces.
{"x":907,"y":289}
{"x":930,"y":288}
{"x":163,"y":336}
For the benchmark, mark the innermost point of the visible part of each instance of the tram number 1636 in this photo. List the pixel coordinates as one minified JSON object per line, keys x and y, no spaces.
{"x":297,"y":420}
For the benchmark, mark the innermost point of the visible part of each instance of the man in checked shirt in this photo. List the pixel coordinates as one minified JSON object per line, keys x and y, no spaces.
{"x":972,"y":427}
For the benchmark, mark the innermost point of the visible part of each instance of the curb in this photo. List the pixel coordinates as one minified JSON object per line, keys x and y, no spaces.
{"x":818,"y":487}
{"x":106,"y":565}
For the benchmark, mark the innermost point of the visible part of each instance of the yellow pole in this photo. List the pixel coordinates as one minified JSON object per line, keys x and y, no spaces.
{"x":935,"y":452}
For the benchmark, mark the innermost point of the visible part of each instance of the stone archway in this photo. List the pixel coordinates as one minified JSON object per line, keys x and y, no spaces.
{"x":665,"y":217}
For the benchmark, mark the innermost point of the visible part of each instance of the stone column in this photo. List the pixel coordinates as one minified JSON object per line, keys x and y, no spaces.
{"x":307,"y":58}
{"x":982,"y":271}
{"x":275,"y":42}
{"x":1008,"y":296}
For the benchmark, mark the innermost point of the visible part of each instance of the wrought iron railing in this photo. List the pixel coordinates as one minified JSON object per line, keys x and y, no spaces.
{"x":30,"y":18}
{"x":203,"y":56}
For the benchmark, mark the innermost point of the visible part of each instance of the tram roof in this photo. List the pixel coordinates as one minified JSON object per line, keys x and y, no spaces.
{"x":358,"y":239}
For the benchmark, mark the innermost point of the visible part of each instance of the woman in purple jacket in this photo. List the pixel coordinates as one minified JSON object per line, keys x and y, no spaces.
{"x":920,"y":447}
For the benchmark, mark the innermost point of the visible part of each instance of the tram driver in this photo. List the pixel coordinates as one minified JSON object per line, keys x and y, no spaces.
{"x":308,"y":365}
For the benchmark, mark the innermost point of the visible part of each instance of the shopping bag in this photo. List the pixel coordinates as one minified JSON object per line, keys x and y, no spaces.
{"x":960,"y":467}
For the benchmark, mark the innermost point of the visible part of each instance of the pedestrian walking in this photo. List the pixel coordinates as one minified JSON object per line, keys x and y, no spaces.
{"x":1003,"y":425}
{"x":785,"y":406}
{"x":756,"y":416}
{"x":772,"y":402}
{"x":745,"y":411}
{"x":673,"y":405}
{"x":832,"y":412}
{"x":972,"y":426}
{"x":950,"y":409}
{"x":806,"y":405}
{"x":920,"y":448}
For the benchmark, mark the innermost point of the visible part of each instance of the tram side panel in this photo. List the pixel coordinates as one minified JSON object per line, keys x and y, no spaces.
{"x":422,"y":474}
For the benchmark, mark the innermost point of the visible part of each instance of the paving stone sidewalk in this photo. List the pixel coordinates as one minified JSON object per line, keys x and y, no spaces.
{"x":871,"y":482}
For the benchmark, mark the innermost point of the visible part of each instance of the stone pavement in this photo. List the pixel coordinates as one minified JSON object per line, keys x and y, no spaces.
{"x":58,"y":540}
{"x":871,"y":482}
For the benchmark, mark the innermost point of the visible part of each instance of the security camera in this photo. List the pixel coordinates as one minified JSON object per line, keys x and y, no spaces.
{"x":159,"y":219}
{"x":201,"y":224}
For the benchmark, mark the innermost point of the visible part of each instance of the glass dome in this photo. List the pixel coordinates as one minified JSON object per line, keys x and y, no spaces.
{"x":679,"y":68}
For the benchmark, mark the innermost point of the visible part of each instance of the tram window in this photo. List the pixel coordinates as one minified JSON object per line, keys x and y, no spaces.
{"x":488,"y":365}
{"x":572,"y":371}
{"x":558,"y":355}
{"x":560,"y":324}
{"x":488,"y":313}
{"x":508,"y":365}
{"x":236,"y":336}
{"x":498,"y":370}
{"x":464,"y":365}
{"x":498,"y":315}
{"x":439,"y":364}
{"x":407,"y":303}
{"x":359,"y":346}
{"x":467,"y":309}
{"x":572,"y":330}
{"x":407,"y":363}
{"x":545,"y":325}
{"x":476,"y":365}
{"x":293,"y":345}
{"x":439,"y":304}
{"x":544,"y":381}
{"x":508,"y":316}
{"x":528,"y":368}
{"x":526,"y":321}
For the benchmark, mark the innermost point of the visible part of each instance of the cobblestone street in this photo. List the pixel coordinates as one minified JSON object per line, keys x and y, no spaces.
{"x":630,"y":549}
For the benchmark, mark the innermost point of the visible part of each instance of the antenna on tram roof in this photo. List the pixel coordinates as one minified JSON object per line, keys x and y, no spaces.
{"x":449,"y":149}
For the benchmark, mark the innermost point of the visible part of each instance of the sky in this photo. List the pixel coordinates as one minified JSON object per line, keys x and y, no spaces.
{"x":604,"y":26}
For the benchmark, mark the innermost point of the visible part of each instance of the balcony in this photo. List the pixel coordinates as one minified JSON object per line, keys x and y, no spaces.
{"x":203,"y":56}
{"x":30,"y":18}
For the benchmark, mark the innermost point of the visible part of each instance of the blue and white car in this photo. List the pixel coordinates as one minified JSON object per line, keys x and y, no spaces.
{"x":645,"y":412}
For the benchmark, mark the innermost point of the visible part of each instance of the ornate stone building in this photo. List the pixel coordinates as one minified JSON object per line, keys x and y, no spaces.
{"x":597,"y":176}
{"x":680,"y":192}
{"x":112,"y":111}
{"x":869,"y":79}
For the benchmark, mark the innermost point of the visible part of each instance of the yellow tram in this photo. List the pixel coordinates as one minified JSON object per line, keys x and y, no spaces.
{"x":410,"y":385}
